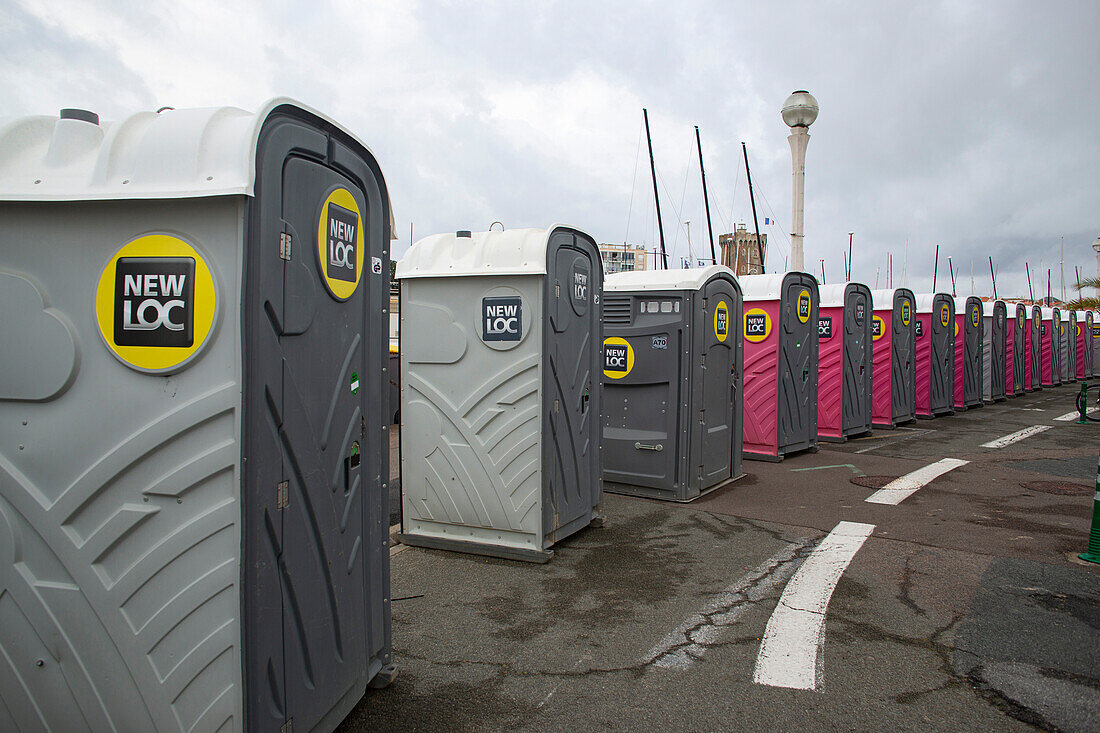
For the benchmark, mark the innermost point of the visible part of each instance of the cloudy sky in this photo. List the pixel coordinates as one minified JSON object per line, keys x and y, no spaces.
{"x":971,"y":125}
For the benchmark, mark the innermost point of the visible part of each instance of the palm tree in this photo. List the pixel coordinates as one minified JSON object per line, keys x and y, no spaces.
{"x":1083,"y":303}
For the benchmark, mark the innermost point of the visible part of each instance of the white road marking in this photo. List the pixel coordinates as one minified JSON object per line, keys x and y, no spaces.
{"x":796,"y":630}
{"x":1075,"y":414}
{"x":1017,"y":436}
{"x":902,"y":488}
{"x":688,"y":641}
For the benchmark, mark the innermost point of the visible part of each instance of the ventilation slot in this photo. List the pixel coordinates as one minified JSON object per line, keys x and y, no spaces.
{"x":616,"y":310}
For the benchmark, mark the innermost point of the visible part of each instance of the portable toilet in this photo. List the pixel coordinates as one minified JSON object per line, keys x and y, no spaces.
{"x":968,"y":353}
{"x":1016,"y":380}
{"x":1084,"y":344}
{"x":1095,"y":342}
{"x":500,"y":390}
{"x":995,"y":344}
{"x":1051,"y":353}
{"x":1035,"y":347}
{"x":893,"y":362}
{"x":844,"y":332}
{"x":780,"y":376}
{"x":935,"y":348}
{"x":1067,"y":333}
{"x":193,"y":448}
{"x":672,"y":362}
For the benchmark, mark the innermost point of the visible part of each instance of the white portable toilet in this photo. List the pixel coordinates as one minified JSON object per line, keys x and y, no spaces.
{"x":193,"y":447}
{"x":500,"y":390}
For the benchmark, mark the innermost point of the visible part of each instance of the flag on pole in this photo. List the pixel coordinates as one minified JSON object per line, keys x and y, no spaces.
{"x":767,"y":221}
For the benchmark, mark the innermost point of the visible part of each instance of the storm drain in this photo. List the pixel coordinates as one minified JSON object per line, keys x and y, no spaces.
{"x":1062,"y":488}
{"x":872,"y":482}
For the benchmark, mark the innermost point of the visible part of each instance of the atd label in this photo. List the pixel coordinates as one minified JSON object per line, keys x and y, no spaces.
{"x":758,"y":325}
{"x":340,"y":243}
{"x":878,"y":328}
{"x":618,"y":357}
{"x":804,"y":306}
{"x":155,"y":303}
{"x":721,"y":320}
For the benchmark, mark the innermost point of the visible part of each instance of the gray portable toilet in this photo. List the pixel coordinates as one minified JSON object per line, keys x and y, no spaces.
{"x":500,"y":390}
{"x":993,"y":352}
{"x":1086,"y":322}
{"x":846,"y":322}
{"x":1036,"y":330}
{"x":894,"y":363}
{"x":780,"y":374}
{"x":1068,"y":333}
{"x":193,"y":441}
{"x":935,"y":339}
{"x":671,"y":403}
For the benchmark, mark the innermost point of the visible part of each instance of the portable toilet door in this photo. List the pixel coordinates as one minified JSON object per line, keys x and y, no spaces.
{"x":1052,"y":368}
{"x":968,"y":354}
{"x":935,"y":340}
{"x":500,"y":390}
{"x":780,"y":376}
{"x":1069,"y":346}
{"x":191,"y":292}
{"x":1016,"y":381}
{"x":1084,"y":344}
{"x":893,"y":362}
{"x":994,"y":346}
{"x":671,"y":403}
{"x":844,"y":387}
{"x":1095,"y":342}
{"x":1035,"y":334}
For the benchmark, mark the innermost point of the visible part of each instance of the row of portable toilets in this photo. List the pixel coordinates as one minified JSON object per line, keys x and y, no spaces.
{"x":195,"y":413}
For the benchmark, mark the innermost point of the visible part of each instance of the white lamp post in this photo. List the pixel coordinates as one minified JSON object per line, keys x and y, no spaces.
{"x":799,"y":112}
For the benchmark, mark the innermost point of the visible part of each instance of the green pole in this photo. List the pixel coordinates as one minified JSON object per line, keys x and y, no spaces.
{"x":1093,"y":553}
{"x":1083,"y":405}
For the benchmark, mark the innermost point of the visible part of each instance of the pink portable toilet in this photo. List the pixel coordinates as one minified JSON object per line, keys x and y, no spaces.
{"x":935,"y":340}
{"x":893,"y":358}
{"x":1068,"y":346}
{"x":1080,"y":335}
{"x":843,"y":361}
{"x":1050,"y":374}
{"x":780,"y":377}
{"x":968,"y":353}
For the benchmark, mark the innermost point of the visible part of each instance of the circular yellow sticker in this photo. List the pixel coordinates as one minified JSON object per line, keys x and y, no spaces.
{"x":976,"y":316}
{"x":721,"y":320}
{"x":956,"y":329}
{"x":618,"y":357}
{"x":878,"y":327}
{"x":155,"y":303}
{"x":945,"y":314}
{"x":340,"y":243}
{"x":804,"y":306}
{"x":906,"y":312}
{"x":758,"y":324}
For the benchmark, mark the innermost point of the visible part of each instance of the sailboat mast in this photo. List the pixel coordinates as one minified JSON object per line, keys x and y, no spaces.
{"x":656,"y":198}
{"x":752,"y":200}
{"x":706,"y":199}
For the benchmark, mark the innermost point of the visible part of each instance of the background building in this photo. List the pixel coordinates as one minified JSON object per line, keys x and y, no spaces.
{"x":739,"y":251}
{"x":623,"y":257}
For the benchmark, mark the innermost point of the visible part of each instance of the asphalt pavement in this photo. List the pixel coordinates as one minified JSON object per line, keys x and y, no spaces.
{"x":965,"y":608}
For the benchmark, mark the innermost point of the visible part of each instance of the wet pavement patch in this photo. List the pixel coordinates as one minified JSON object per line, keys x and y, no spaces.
{"x":1061,"y":488}
{"x":1082,"y":468}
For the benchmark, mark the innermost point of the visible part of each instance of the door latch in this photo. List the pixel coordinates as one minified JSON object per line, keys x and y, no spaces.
{"x":645,"y":446}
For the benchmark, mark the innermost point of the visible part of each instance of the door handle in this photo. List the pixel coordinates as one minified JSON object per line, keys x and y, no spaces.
{"x":644,"y":446}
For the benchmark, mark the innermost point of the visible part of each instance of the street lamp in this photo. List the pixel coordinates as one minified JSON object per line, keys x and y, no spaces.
{"x":799,"y":112}
{"x":1096,"y":246}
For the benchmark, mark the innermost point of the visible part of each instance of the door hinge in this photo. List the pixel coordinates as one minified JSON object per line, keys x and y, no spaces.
{"x":287,"y":727}
{"x":284,"y":246}
{"x":282,"y":495}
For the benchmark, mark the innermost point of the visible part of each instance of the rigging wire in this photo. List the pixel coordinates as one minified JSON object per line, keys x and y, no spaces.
{"x":634,"y":182}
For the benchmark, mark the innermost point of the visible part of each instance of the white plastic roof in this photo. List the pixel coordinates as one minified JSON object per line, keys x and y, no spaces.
{"x":924,"y":301}
{"x":764,"y":287}
{"x":691,"y":279}
{"x":181,"y":153}
{"x":832,"y":296}
{"x":1048,"y":313}
{"x":510,"y":252}
{"x":883,"y":298}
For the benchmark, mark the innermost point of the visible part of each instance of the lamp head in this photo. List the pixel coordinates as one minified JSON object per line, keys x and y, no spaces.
{"x":800,"y":109}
